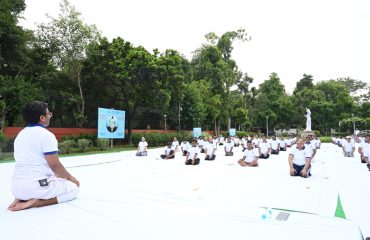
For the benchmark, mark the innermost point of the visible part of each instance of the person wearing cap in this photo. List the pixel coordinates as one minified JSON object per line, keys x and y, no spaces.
{"x":229,"y":147}
{"x":169,"y":152}
{"x":365,"y":144}
{"x":250,"y":156}
{"x":142,"y":148}
{"x":300,"y":160}
{"x":192,"y":157}
{"x":348,"y":147}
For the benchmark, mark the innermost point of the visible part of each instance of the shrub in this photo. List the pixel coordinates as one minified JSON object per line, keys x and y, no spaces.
{"x":2,"y":141}
{"x":326,"y":139}
{"x":83,"y":144}
{"x":8,"y":145}
{"x":102,"y":144}
{"x":66,"y":146}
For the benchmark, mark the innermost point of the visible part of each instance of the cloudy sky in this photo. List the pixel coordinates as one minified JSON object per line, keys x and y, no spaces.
{"x":328,"y":39}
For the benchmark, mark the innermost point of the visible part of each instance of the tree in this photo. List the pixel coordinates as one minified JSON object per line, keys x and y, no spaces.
{"x":305,"y":83}
{"x":67,"y":38}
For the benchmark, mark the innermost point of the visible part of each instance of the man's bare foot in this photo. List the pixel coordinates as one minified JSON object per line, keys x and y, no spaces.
{"x":23,"y":205}
{"x":16,"y":201}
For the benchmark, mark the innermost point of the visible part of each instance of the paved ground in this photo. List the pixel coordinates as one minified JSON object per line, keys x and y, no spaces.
{"x":128,"y":197}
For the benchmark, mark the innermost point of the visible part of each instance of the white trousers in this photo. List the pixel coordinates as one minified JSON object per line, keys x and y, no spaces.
{"x":63,"y":189}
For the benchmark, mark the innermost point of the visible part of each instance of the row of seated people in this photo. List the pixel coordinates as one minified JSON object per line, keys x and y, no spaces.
{"x":348,"y":145}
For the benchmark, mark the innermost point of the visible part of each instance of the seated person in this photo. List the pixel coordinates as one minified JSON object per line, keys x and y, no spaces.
{"x":169,"y":152}
{"x":203,"y":147}
{"x":318,"y":142}
{"x":39,"y":178}
{"x":236,"y":142}
{"x":275,"y":145}
{"x":175,"y":144}
{"x":221,"y":140}
{"x":300,"y":160}
{"x":364,"y":145}
{"x":185,"y":145}
{"x":229,"y":147}
{"x":255,"y":141}
{"x":283,"y":144}
{"x":367,"y":157}
{"x":210,"y":150}
{"x":264,"y":148}
{"x":192,"y":158}
{"x":142,"y":148}
{"x":250,"y":156}
{"x":348,"y":147}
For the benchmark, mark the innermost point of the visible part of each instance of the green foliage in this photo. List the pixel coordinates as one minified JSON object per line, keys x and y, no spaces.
{"x":326,"y":139}
{"x":83,"y":144}
{"x":241,"y":134}
{"x":2,"y":141}
{"x":66,"y":146}
{"x":103,"y":144}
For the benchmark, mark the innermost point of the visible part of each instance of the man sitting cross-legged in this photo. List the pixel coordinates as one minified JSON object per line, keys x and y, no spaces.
{"x":210,"y":150}
{"x":39,"y":177}
{"x":229,"y":147}
{"x":250,"y":157}
{"x":142,"y":148}
{"x":264,"y":148}
{"x":300,"y":160}
{"x":169,"y":152}
{"x":348,"y":147}
{"x":192,"y":158}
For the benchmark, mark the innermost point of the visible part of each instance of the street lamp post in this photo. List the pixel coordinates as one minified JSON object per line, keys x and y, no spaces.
{"x":165,"y":122}
{"x":267,"y":126}
{"x":179,"y":127}
{"x":354,"y":125}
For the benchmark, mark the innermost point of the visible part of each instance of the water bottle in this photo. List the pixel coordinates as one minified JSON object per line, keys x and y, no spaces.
{"x":266,"y":214}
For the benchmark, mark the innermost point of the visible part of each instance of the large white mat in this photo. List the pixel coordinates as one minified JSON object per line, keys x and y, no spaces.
{"x":128,"y":197}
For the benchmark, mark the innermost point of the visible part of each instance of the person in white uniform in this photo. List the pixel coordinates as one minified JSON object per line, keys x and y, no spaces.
{"x":169,"y":152}
{"x":229,"y":147}
{"x":192,"y":157}
{"x":39,"y":178}
{"x":210,"y":150}
{"x":142,"y":148}
{"x":264,"y":148}
{"x":363,"y":146}
{"x":348,"y":147}
{"x":366,"y":156}
{"x":300,"y":160}
{"x":250,"y":156}
{"x":185,"y":146}
{"x":175,"y":144}
{"x":275,"y":145}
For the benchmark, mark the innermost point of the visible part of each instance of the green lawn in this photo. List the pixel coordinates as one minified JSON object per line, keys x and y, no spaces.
{"x":8,"y":157}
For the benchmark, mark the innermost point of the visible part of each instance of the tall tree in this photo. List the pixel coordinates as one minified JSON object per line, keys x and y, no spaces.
{"x":67,"y":38}
{"x":305,"y":83}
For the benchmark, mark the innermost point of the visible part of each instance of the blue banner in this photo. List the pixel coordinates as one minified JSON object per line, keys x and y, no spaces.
{"x":111,"y":123}
{"x":197,"y":132}
{"x":232,"y":132}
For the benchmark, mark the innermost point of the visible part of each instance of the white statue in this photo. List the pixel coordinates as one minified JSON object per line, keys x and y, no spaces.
{"x":308,"y":120}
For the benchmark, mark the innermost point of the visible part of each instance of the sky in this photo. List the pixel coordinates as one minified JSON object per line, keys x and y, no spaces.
{"x":327,"y":39}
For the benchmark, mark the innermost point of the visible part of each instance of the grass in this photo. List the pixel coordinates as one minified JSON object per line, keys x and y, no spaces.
{"x":8,"y":157}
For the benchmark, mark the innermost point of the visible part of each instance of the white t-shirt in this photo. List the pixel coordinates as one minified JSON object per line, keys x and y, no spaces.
{"x":185,"y":146}
{"x":142,"y":146}
{"x":274,"y":144}
{"x":367,"y":153}
{"x":348,"y":146}
{"x":168,"y":149}
{"x":300,"y":156}
{"x":283,"y":143}
{"x":250,"y":155}
{"x":364,"y":145}
{"x":193,"y":151}
{"x":236,"y":140}
{"x":210,"y":148}
{"x":264,"y":147}
{"x":228,"y":146}
{"x":255,"y":142}
{"x":175,"y":144}
{"x":30,"y":147}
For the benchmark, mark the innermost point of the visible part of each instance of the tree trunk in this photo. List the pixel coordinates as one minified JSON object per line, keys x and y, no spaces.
{"x":130,"y":121}
{"x":81,"y":105}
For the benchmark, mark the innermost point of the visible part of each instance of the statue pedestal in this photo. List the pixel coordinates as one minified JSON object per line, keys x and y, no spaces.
{"x":306,"y":133}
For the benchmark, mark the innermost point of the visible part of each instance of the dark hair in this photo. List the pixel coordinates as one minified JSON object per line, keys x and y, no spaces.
{"x":33,"y":110}
{"x":249,"y":141}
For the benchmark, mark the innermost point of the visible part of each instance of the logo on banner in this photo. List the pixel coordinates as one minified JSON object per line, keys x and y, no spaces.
{"x":197,"y":132}
{"x":111,"y":123}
